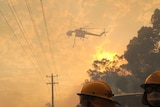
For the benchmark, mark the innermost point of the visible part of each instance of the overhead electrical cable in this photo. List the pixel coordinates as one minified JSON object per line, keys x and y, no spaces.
{"x":48,"y":36}
{"x":17,"y":39}
{"x":35,"y":29}
{"x":50,"y":45}
{"x":20,"y":25}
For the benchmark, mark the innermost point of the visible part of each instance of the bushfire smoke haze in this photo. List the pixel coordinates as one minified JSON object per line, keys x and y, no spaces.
{"x":34,"y":44}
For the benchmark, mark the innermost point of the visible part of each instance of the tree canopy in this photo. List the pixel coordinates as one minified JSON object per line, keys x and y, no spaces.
{"x":142,"y":56}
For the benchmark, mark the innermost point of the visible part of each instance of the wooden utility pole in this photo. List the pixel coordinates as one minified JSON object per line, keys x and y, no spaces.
{"x":52,"y":83}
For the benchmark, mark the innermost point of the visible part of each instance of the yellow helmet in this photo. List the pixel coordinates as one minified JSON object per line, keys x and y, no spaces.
{"x":152,"y":79}
{"x":97,"y":89}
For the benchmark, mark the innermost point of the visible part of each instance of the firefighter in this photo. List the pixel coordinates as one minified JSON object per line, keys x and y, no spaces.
{"x":96,"y":94}
{"x":151,"y":96}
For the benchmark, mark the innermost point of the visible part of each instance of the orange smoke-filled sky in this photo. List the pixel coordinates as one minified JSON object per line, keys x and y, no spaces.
{"x":33,"y":44}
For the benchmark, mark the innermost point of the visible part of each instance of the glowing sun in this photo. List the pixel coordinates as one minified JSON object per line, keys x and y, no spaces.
{"x":103,"y":54}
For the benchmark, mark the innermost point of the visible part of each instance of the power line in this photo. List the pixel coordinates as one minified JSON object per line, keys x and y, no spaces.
{"x":17,"y":38}
{"x":12,"y":30}
{"x":35,"y":29}
{"x":20,"y":25}
{"x":48,"y":37}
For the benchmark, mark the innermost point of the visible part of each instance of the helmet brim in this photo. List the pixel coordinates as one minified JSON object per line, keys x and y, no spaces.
{"x":115,"y":102}
{"x":146,"y":85}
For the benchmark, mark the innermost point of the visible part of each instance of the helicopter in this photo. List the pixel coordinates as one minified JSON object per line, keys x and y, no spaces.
{"x":81,"y":32}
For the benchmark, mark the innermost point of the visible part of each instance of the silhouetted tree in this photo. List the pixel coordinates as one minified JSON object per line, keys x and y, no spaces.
{"x":143,"y":52}
{"x":155,"y":20}
{"x":108,"y":71}
{"x":142,"y":56}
